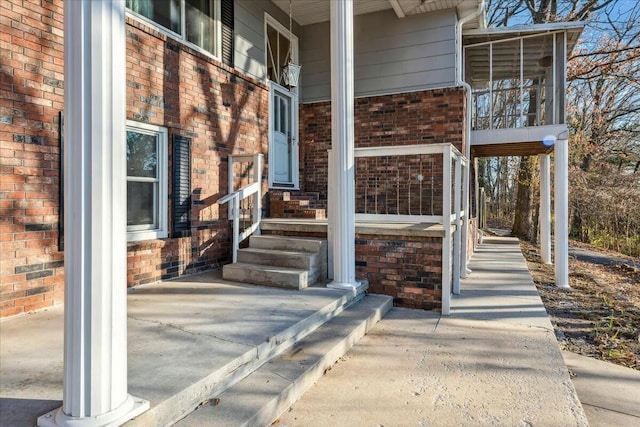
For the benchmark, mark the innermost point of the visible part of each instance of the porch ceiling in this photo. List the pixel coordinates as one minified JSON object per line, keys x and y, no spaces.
{"x":307,"y":12}
{"x":506,"y":55}
{"x":510,"y":149}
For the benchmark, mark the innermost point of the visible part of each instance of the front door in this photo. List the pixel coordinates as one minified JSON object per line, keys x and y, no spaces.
{"x":283,"y":153}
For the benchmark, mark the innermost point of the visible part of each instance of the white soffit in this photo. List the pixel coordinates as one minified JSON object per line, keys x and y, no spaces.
{"x":307,"y":12}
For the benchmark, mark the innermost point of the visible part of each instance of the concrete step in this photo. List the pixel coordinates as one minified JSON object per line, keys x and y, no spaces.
{"x":184,"y":401}
{"x":268,"y":275}
{"x":281,"y":258}
{"x":263,"y":396}
{"x":288,"y":243}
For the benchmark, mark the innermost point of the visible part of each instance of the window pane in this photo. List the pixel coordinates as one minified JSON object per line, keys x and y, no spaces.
{"x":200,"y":23}
{"x":141,"y":203}
{"x":142,"y":154}
{"x":163,"y":12}
{"x":272,"y":54}
{"x":284,"y":50}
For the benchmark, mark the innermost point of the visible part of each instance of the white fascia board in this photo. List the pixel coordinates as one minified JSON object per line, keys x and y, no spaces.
{"x":526,"y":134}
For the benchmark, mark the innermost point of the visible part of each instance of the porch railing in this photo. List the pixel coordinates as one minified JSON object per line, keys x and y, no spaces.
{"x":414,"y":184}
{"x":244,"y":198}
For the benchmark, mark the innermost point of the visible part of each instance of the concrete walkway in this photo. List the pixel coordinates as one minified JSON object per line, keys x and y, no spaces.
{"x":495,"y":361}
{"x":610,"y":394}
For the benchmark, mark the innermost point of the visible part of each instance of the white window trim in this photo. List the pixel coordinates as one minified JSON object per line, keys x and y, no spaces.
{"x":162,"y":231}
{"x":217,"y":55}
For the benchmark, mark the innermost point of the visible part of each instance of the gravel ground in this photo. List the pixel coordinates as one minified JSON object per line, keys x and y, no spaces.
{"x":599,"y":316}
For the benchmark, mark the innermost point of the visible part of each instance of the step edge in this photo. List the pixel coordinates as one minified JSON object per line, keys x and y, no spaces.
{"x":275,"y":406}
{"x":272,"y":410}
{"x":239,"y":368}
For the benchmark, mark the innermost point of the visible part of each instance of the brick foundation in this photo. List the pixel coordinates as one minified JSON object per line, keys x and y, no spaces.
{"x":408,"y":268}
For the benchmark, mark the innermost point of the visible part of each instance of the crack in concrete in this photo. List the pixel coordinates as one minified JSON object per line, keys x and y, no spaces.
{"x":182,"y":329}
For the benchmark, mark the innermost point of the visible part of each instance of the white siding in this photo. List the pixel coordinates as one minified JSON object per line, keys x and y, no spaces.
{"x":249,"y":34}
{"x":391,"y":55}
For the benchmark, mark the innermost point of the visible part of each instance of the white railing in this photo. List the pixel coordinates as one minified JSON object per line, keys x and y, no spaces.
{"x":244,"y":202}
{"x":414,"y":184}
{"x":407,"y":183}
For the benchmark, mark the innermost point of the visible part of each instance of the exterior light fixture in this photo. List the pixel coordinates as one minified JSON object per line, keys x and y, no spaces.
{"x":549,"y":140}
{"x":291,"y":74}
{"x":291,"y":71}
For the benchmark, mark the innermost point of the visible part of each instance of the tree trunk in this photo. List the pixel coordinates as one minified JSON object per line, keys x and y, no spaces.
{"x":523,"y":218}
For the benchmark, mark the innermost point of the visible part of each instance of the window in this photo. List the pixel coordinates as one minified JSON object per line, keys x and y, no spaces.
{"x":195,"y":21}
{"x":146,"y":181}
{"x":279,"y":49}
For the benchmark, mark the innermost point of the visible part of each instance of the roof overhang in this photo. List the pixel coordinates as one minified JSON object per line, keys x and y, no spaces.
{"x":307,"y":12}
{"x":537,"y":41}
{"x":526,"y":141}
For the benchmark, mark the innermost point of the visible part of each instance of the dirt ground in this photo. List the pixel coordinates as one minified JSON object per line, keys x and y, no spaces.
{"x":600,"y":315}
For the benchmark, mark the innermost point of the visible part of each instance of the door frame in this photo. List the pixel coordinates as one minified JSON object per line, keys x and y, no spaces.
{"x":293,"y":94}
{"x":295,"y":153}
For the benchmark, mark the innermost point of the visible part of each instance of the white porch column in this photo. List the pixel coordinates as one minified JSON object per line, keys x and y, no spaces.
{"x":466,"y":206}
{"x":545,"y":208}
{"x":457,"y":252}
{"x":95,"y":342}
{"x":561,"y":202}
{"x":342,"y":218}
{"x":446,"y":225}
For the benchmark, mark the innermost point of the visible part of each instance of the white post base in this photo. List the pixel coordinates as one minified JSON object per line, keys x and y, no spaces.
{"x":345,"y":286}
{"x":130,"y":409}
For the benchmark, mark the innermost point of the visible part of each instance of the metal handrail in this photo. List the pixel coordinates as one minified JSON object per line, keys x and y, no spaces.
{"x":235,"y":197}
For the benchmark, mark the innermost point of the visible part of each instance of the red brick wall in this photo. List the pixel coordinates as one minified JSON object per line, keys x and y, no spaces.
{"x":433,"y":116}
{"x":168,"y":84}
{"x":223,"y":112}
{"x":31,"y":96}
{"x":408,"y":268}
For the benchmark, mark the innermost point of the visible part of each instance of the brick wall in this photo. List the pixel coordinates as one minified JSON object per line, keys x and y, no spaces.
{"x":31,"y":81}
{"x":408,"y":268}
{"x":432,"y":116}
{"x":223,"y":112}
{"x":168,"y":84}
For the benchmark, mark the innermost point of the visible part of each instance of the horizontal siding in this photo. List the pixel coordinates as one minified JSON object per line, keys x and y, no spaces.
{"x":249,"y":34}
{"x":391,"y":55}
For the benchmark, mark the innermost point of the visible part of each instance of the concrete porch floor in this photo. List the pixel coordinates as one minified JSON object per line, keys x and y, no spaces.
{"x":494,"y":361}
{"x":180,"y":333}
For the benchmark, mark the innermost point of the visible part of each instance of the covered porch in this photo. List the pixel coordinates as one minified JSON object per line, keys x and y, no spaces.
{"x":517,"y":80}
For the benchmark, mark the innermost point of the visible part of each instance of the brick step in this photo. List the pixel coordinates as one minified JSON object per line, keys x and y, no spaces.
{"x":293,"y":195}
{"x":296,"y":209}
{"x":302,"y":214}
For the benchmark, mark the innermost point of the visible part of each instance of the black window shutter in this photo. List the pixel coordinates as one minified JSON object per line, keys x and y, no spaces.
{"x":181,"y":186}
{"x":226,"y":8}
